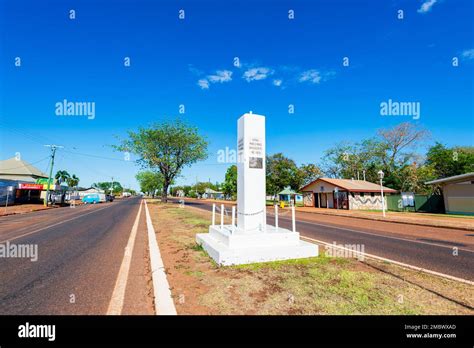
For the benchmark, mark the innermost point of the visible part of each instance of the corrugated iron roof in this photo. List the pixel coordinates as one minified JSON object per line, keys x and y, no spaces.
{"x":13,"y":166}
{"x":451,"y":178}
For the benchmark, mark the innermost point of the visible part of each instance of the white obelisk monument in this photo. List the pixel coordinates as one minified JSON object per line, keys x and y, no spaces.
{"x":251,"y":188}
{"x":252,"y":240}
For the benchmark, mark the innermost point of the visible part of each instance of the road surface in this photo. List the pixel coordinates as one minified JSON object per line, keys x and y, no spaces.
{"x":438,"y":256}
{"x":80,"y":252}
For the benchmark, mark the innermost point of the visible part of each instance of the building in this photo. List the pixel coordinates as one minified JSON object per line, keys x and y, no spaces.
{"x":23,"y":178}
{"x":18,"y":170}
{"x":289,"y":195}
{"x":211,"y":194}
{"x":458,"y":193}
{"x":344,"y":194}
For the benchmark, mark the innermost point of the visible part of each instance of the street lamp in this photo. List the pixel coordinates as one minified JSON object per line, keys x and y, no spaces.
{"x":381,"y":175}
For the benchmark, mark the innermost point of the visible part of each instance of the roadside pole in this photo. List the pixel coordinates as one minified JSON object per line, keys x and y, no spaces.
{"x":53,"y":153}
{"x":9,"y":188}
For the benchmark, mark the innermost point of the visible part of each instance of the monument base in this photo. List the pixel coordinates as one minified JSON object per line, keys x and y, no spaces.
{"x":229,"y":246}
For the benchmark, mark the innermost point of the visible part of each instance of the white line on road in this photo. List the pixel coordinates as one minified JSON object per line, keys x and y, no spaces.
{"x":118,"y":296}
{"x":164,"y":304}
{"x":394,"y":262}
{"x":380,"y":235}
{"x":58,"y":223}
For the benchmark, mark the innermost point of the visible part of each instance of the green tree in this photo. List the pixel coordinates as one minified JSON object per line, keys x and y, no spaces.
{"x":200,"y":187}
{"x":391,"y":150}
{"x":72,"y":181}
{"x":307,"y":173}
{"x":167,"y":147}
{"x":281,"y":171}
{"x":230,"y":183}
{"x":106,"y":186}
{"x":62,"y":176}
{"x":449,"y":162}
{"x":150,"y":182}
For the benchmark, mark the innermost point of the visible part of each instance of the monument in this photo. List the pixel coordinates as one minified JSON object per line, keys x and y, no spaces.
{"x":251,"y":239}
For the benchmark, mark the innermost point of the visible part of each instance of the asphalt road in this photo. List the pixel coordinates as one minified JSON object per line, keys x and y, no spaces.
{"x":80,"y":252}
{"x":432,"y":256}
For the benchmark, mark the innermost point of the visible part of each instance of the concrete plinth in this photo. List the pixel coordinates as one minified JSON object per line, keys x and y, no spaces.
{"x":229,"y":246}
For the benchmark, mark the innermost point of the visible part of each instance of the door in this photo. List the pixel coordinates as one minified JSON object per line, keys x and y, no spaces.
{"x":324,"y":200}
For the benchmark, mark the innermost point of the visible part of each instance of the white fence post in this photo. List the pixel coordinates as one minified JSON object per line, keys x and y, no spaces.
{"x":233,"y":218}
{"x":293,"y":218}
{"x":276,"y":217}
{"x":213,"y":214}
{"x":222,"y":216}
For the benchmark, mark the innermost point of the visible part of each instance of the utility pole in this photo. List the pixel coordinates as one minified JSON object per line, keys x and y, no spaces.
{"x":112,"y":189}
{"x":53,"y":153}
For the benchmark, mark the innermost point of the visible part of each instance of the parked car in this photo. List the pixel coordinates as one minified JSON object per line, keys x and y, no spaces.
{"x":109,"y":198}
{"x":93,"y":198}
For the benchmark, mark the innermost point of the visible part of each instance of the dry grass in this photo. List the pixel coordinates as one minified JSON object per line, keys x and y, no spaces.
{"x":320,"y":285}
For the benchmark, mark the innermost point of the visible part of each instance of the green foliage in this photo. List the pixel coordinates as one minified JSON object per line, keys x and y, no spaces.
{"x":150,"y":182}
{"x":392,"y":150}
{"x":106,"y":186}
{"x":62,"y":176}
{"x":72,"y":181}
{"x":230,"y":183}
{"x":449,"y":162}
{"x":307,"y":173}
{"x":166,"y":147}
{"x":281,"y":172}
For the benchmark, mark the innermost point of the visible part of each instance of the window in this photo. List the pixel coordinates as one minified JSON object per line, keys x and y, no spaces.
{"x":372,"y":194}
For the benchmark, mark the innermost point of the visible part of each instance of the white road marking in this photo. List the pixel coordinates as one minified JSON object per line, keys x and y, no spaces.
{"x":164,"y":304}
{"x":58,"y":223}
{"x":394,"y":262}
{"x":118,"y":296}
{"x":381,"y":235}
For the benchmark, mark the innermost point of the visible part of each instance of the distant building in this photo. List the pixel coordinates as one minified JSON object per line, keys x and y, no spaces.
{"x":458,"y":193}
{"x":211,"y":194}
{"x":288,"y":195}
{"x":344,"y":194}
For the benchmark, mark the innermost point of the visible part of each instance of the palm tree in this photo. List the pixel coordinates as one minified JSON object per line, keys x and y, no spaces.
{"x":62,"y":176}
{"x":72,"y":181}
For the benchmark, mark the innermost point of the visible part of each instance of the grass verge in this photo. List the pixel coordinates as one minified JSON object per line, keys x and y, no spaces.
{"x":320,"y":285}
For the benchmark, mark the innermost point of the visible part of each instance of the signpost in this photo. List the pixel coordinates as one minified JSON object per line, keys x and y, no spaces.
{"x":9,"y":189}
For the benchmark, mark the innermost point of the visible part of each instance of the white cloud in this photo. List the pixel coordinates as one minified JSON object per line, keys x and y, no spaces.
{"x":277,"y":82}
{"x":259,"y":73}
{"x":220,"y":76}
{"x":426,"y":6}
{"x":468,"y":54}
{"x":203,"y":83}
{"x":312,"y":76}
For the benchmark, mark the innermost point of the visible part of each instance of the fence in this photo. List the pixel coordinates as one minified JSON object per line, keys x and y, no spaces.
{"x":423,"y":203}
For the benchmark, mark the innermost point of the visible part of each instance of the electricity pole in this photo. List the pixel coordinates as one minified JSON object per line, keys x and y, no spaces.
{"x":53,"y":153}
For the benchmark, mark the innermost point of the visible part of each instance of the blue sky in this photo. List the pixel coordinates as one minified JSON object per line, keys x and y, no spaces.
{"x":190,"y":61}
